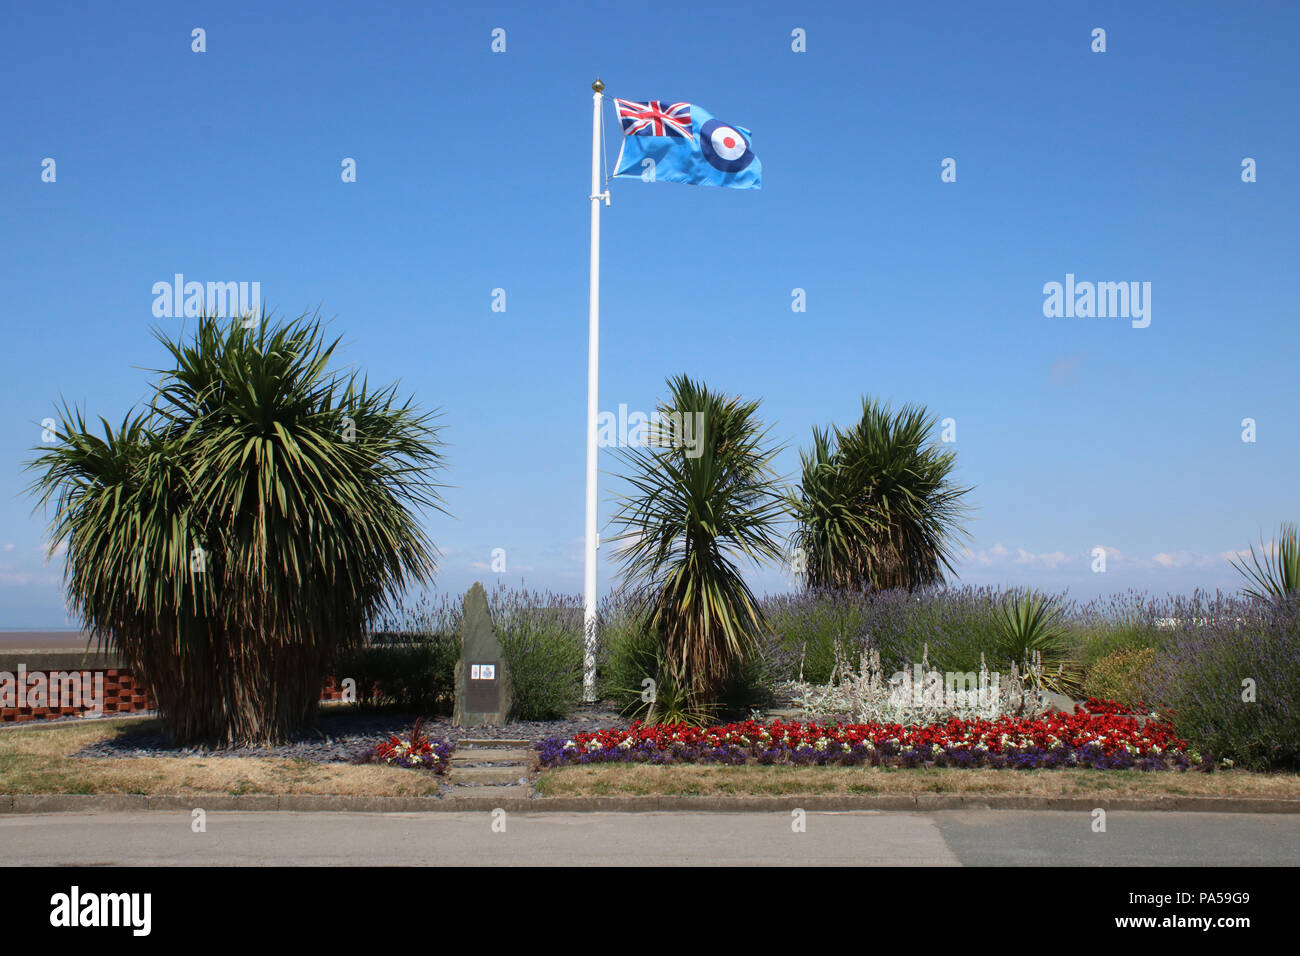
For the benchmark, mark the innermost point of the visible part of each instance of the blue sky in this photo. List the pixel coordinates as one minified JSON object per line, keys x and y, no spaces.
{"x":472,"y":175}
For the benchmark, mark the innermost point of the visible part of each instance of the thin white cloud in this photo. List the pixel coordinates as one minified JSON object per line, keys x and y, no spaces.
{"x":1187,"y":559}
{"x":510,"y":568}
{"x":999,"y":555}
{"x":1051,"y":560}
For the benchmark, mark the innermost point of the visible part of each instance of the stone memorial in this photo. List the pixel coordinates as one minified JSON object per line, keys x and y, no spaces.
{"x":482,"y":679}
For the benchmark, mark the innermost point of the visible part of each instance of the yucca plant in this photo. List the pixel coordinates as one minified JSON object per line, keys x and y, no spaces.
{"x":694,"y":514}
{"x":673,"y":703}
{"x":1029,"y":623}
{"x":1274,"y":577}
{"x":876,"y":507}
{"x":234,"y":535}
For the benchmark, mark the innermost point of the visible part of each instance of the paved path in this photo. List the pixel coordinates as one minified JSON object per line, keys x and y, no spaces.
{"x":941,"y":838}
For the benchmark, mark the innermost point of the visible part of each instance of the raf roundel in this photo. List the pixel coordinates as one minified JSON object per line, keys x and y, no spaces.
{"x":725,"y":147}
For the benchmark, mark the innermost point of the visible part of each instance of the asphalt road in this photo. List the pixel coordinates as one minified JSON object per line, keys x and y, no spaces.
{"x":941,"y":838}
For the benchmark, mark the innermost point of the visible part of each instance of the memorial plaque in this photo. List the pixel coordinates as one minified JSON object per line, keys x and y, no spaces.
{"x":482,"y":689}
{"x":482,"y":678}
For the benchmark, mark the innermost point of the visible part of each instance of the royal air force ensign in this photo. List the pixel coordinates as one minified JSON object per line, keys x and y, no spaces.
{"x":684,"y":143}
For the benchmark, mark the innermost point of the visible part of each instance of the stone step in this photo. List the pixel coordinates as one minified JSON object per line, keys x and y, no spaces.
{"x":487,"y":755}
{"x":784,"y":714}
{"x":494,"y":742}
{"x":483,"y":776}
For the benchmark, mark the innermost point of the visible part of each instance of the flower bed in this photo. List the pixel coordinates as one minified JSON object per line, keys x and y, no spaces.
{"x":417,"y":753}
{"x":1099,"y":707}
{"x":1099,"y":740}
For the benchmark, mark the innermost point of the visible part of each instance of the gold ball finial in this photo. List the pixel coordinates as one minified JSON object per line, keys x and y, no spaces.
{"x":598,"y":86}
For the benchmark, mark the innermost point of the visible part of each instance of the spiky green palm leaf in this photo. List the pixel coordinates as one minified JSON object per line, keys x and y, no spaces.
{"x":830,"y":527}
{"x":306,"y":528}
{"x":1029,"y":623}
{"x":877,"y":506}
{"x":1276,"y":576}
{"x":689,"y":522}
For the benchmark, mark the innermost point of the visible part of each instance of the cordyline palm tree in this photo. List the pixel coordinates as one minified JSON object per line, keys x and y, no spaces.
{"x":694,"y":514}
{"x":1274,"y":577}
{"x":876,"y":507}
{"x":229,"y":538}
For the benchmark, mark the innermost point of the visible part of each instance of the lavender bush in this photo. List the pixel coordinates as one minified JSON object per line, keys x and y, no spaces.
{"x":809,"y":631}
{"x":541,"y":638}
{"x":1228,"y":674}
{"x":957,"y":624}
{"x":1131,"y":621}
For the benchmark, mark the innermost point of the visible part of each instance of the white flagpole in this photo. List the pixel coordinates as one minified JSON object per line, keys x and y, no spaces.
{"x":593,"y":381}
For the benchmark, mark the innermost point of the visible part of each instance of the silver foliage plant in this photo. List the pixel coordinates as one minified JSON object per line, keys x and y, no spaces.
{"x":920,"y":695}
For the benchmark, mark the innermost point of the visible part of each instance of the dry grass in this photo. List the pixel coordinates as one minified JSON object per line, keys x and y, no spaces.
{"x":37,"y":761}
{"x":686,"y":780}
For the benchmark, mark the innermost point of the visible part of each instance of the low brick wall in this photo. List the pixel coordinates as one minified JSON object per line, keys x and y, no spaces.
{"x":120,"y":695}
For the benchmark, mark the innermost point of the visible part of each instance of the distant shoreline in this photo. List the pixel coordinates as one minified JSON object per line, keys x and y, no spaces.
{"x":51,"y":637}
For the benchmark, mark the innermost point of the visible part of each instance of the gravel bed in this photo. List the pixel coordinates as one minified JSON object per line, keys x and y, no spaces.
{"x":344,"y":737}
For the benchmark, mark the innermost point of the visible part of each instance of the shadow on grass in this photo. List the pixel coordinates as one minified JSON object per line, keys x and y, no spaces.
{"x":337,"y":737}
